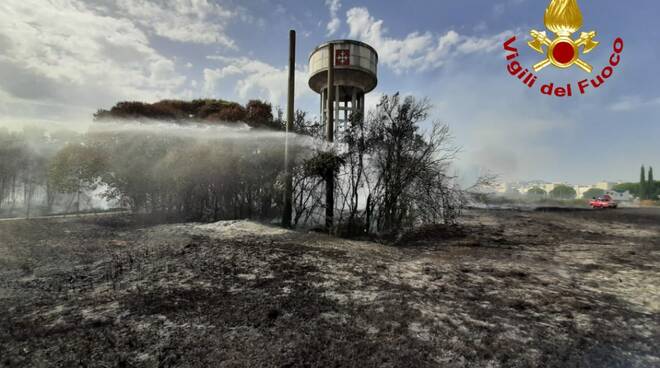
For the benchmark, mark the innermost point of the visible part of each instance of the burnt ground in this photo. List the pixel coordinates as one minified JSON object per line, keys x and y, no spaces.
{"x":553,"y":288}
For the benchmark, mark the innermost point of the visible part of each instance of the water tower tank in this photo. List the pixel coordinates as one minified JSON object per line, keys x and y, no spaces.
{"x":355,"y":75}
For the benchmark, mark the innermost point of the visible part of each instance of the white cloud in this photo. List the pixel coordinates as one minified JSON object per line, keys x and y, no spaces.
{"x":253,"y":79}
{"x":335,"y":22}
{"x":61,"y":53}
{"x":198,"y":21}
{"x":416,"y":51}
{"x":500,"y":8}
{"x":631,"y":103}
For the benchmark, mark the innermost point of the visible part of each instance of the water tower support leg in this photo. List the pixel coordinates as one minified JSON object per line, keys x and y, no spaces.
{"x":361,"y":103}
{"x":354,"y":108}
{"x":330,"y":131}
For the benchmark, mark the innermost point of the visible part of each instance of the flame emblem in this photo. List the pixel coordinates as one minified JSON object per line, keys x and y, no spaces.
{"x":563,"y":18}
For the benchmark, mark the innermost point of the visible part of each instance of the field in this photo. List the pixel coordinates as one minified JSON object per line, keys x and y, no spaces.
{"x":506,"y":288}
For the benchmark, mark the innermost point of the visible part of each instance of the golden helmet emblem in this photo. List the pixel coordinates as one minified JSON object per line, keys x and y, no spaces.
{"x":563,"y":18}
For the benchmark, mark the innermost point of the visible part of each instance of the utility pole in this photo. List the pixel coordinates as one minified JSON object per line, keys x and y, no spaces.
{"x":330,"y":132}
{"x":288,"y":178}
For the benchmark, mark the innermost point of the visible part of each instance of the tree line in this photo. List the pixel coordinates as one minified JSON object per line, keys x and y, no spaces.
{"x":646,"y":189}
{"x":25,"y":158}
{"x":559,"y":192}
{"x":257,"y":114}
{"x":390,"y":173}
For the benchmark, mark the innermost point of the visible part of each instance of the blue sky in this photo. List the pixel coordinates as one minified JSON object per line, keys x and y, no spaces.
{"x":63,"y":59}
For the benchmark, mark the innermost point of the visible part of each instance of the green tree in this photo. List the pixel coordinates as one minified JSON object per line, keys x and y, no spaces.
{"x":132,"y":159}
{"x":75,"y":169}
{"x":651,"y":186}
{"x":633,"y":188}
{"x":642,"y":184}
{"x":256,"y":113}
{"x":563,"y":192}
{"x":536,"y":193}
{"x":260,"y":114}
{"x":593,"y":192}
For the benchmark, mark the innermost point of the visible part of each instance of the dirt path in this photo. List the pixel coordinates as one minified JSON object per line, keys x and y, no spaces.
{"x":510,"y":289}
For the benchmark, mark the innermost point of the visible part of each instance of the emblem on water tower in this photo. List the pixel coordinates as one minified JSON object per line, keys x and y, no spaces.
{"x":564,"y":18}
{"x":343,"y":57}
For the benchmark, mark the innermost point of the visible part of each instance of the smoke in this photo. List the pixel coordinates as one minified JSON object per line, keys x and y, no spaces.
{"x":150,"y":165}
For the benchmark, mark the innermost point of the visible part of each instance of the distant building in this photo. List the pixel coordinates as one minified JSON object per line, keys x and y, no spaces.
{"x":549,"y":187}
{"x":517,"y":188}
{"x":581,"y":189}
{"x":605,"y":185}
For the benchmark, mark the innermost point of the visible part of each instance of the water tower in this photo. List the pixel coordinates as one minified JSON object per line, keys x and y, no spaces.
{"x":355,"y":74}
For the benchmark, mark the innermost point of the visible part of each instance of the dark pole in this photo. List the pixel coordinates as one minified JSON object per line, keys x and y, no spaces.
{"x":330,"y":131}
{"x":288,"y":185}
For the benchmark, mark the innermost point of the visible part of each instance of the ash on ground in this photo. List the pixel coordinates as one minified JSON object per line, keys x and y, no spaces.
{"x":505,"y":289}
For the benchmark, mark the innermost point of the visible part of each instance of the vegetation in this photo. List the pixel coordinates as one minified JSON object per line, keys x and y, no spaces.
{"x":76,"y":169}
{"x":191,"y":178}
{"x":592,"y":193}
{"x":633,"y":188}
{"x":536,"y":193}
{"x":409,"y":180}
{"x":389,"y":174}
{"x":643,"y":186}
{"x":647,"y":188}
{"x":257,"y":114}
{"x":24,"y":162}
{"x":563,"y":192}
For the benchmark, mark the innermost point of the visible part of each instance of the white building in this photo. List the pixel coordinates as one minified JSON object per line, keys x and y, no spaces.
{"x":620,"y":197}
{"x":581,"y":189}
{"x":605,"y":185}
{"x":549,"y":187}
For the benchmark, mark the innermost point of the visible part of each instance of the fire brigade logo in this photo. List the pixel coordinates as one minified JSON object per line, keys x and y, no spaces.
{"x":343,"y":57}
{"x":564,"y":18}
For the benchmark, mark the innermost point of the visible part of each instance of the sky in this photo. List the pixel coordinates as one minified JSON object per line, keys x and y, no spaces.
{"x":61,"y":60}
